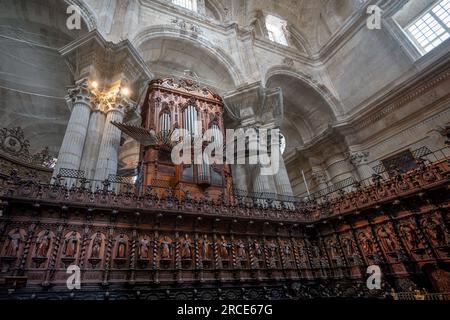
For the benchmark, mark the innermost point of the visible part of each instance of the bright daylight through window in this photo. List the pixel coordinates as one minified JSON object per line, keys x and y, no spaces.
{"x":432,"y":28}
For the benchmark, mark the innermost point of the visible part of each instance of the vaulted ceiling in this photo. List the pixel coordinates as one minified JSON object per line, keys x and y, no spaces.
{"x":316,"y":20}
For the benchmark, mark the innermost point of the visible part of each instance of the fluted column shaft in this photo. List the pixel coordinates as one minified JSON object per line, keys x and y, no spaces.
{"x":92,"y":145}
{"x":282,"y":181}
{"x":338,"y":168}
{"x":239,"y":174}
{"x":109,"y":147}
{"x":319,"y":177}
{"x":364,"y":171}
{"x":72,"y":146}
{"x":263,"y":183}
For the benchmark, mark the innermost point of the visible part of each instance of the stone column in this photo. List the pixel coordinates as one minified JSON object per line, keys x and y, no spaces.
{"x":359,"y":161}
{"x":263,"y":183}
{"x":92,"y":145}
{"x":72,"y":146}
{"x":319,"y":176}
{"x":109,"y":146}
{"x":338,"y":168}
{"x":282,"y":181}
{"x":239,"y":174}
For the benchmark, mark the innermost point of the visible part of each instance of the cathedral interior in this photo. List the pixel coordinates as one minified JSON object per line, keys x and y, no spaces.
{"x":94,"y":95}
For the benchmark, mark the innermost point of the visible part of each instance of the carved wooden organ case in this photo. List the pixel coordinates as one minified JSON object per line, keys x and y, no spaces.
{"x":171,"y":105}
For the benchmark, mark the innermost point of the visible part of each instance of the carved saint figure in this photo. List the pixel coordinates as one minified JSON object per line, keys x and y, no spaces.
{"x":96,"y":245}
{"x":300,"y":248}
{"x":241,"y":249}
{"x":409,"y":235}
{"x":71,"y":245}
{"x":186,"y":250}
{"x":165,"y":248}
{"x":435,"y":232}
{"x":315,"y":250}
{"x":333,"y":249}
{"x":366,"y":243}
{"x":205,"y":247}
{"x":121,"y":246}
{"x":349,"y":247}
{"x":14,"y":241}
{"x":224,"y":248}
{"x":43,"y":244}
{"x":144,"y":245}
{"x":257,"y":248}
{"x":386,"y":240}
{"x":287,"y":250}
{"x":272,"y":249}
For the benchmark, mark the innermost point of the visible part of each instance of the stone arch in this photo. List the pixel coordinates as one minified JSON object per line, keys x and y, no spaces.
{"x":34,"y":75}
{"x":88,"y":15}
{"x":196,"y":40}
{"x":321,"y":89}
{"x":307,"y":113}
{"x":216,"y":8}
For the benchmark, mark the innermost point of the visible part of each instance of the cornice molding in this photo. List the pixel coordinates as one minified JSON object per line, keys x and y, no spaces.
{"x":108,"y":57}
{"x":406,"y":91}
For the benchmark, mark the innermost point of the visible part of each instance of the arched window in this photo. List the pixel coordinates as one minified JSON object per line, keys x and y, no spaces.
{"x":190,"y":120}
{"x":164,"y":122}
{"x":188,"y":4}
{"x":276,"y":29}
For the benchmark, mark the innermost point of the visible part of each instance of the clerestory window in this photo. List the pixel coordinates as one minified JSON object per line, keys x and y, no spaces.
{"x":276,"y":29}
{"x":431,"y":28}
{"x":188,"y":4}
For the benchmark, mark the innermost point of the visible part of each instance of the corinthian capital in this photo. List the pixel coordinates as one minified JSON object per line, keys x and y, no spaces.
{"x":358,"y":158}
{"x":121,"y":103}
{"x":80,"y":93}
{"x":319,"y":176}
{"x":112,"y":100}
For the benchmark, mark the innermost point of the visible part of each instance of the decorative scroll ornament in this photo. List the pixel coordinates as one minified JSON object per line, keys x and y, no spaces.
{"x":188,"y":85}
{"x":288,"y":61}
{"x":14,"y":144}
{"x":80,"y":93}
{"x":357,"y":158}
{"x":187,"y":26}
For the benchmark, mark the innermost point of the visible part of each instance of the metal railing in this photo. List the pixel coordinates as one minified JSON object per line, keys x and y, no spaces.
{"x":421,"y":295}
{"x":119,"y":184}
{"x":422,"y":155}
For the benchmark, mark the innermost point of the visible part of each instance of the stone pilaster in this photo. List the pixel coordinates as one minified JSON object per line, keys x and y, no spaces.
{"x":74,"y":139}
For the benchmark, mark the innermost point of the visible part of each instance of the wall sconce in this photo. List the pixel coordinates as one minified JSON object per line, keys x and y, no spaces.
{"x":125,"y":91}
{"x":94,"y":84}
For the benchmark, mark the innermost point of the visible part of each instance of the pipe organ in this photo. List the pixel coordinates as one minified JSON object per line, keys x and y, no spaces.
{"x":176,"y":110}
